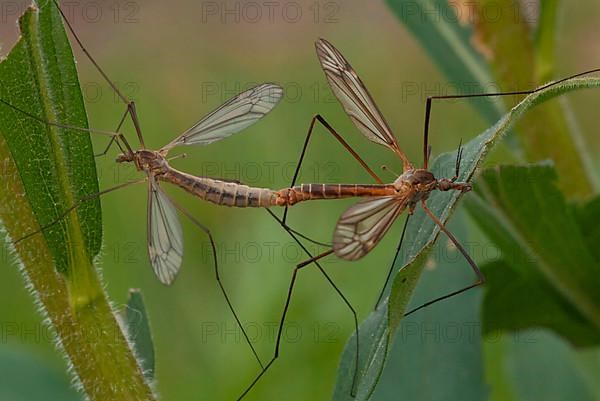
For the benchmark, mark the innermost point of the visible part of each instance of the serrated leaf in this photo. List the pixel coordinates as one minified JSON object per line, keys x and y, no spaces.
{"x":380,"y":327}
{"x":518,"y":298}
{"x":548,"y":277}
{"x":588,"y":216}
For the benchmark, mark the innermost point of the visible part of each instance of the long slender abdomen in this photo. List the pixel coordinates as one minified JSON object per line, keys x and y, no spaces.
{"x":220,"y":192}
{"x":303,"y":192}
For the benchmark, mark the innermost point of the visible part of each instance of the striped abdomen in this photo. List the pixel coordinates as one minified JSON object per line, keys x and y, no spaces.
{"x":224,"y":193}
{"x":304,"y":192}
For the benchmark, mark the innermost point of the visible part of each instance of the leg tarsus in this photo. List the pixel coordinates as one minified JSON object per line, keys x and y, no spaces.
{"x":472,"y":264}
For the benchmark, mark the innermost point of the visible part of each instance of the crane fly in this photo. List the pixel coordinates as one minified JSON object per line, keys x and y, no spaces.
{"x":357,"y":232}
{"x":165,"y":246}
{"x":165,"y":242}
{"x":164,"y":233}
{"x":362,"y":226}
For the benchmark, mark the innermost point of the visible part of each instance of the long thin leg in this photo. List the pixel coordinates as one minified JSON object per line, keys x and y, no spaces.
{"x":78,"y":203}
{"x":314,"y":259}
{"x":332,"y":131}
{"x":338,"y":137}
{"x":130,"y":104}
{"x":287,"y":304}
{"x":59,"y":125}
{"x":217,"y":275}
{"x":113,"y":139}
{"x":115,"y":135}
{"x":389,"y":275}
{"x":478,"y":273}
{"x":526,"y":92}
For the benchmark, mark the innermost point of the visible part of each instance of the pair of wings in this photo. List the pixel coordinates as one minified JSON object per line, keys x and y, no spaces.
{"x":165,"y":239}
{"x":363,"y":225}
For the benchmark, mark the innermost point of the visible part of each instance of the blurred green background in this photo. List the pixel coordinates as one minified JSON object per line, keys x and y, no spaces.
{"x":179,"y":60}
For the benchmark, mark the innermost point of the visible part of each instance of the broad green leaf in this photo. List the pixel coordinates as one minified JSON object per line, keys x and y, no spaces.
{"x":380,"y":327}
{"x":138,"y":327}
{"x":56,"y":166}
{"x":437,"y":354}
{"x":539,"y":366}
{"x":548,"y":276}
{"x":46,"y":170}
{"x":447,"y":39}
{"x":19,"y":369}
{"x":519,"y":297}
{"x":588,"y":216}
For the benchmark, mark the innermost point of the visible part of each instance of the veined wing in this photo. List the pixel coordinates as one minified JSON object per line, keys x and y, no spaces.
{"x":165,"y":239}
{"x":232,"y":116}
{"x":362,"y":226}
{"x":356,"y":100}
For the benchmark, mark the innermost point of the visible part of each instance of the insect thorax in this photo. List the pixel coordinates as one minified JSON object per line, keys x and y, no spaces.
{"x":415,"y":178}
{"x":149,"y":161}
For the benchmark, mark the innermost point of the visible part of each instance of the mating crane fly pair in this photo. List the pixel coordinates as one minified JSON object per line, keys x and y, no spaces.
{"x":358,"y":230}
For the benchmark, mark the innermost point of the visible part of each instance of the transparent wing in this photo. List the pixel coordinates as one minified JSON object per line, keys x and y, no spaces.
{"x":355,"y":98}
{"x":165,"y":239}
{"x":362,"y":226}
{"x":232,"y":116}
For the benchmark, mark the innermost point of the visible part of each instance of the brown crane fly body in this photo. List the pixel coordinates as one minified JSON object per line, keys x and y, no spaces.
{"x":220,"y":192}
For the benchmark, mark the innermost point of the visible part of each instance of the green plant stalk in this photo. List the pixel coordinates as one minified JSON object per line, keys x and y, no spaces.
{"x":90,"y":335}
{"x":543,"y":133}
{"x":545,"y":40}
{"x":41,"y":175}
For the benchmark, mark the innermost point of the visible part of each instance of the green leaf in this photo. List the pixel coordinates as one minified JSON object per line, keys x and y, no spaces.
{"x":46,"y":169}
{"x":437,"y":354}
{"x":531,"y":357}
{"x":447,"y":40}
{"x":19,"y":369}
{"x":56,"y":166}
{"x":138,"y":327}
{"x":548,"y":276}
{"x":508,"y":303}
{"x":380,"y":327}
{"x":588,"y":216}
